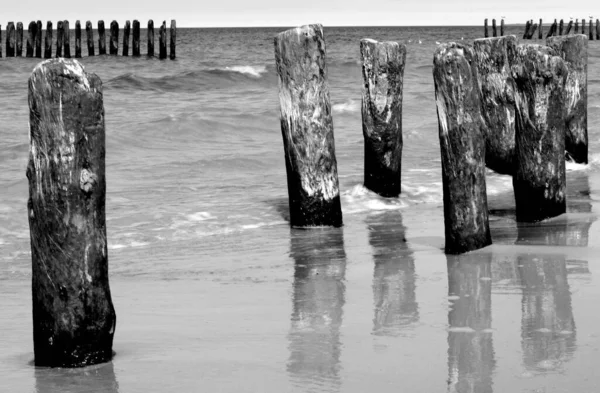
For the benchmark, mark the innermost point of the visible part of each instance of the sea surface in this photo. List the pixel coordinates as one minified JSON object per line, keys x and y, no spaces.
{"x":215,"y":292}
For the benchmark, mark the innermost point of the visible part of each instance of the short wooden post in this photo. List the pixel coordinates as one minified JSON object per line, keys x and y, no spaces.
{"x":89,"y":34}
{"x":162,"y":41}
{"x":591,"y":30}
{"x":574,"y":51}
{"x":10,"y":39}
{"x":48,"y":41}
{"x":19,"y":45}
{"x":526,"y":33}
{"x":67,"y":39}
{"x":539,"y":180}
{"x":597,"y":29}
{"x":114,"y":38}
{"x":135,"y":41}
{"x":497,"y":93}
{"x":73,"y":315}
{"x":485,"y":28}
{"x":77,"y":39}
{"x":576,"y":26}
{"x":59,"y":38}
{"x":307,"y":128}
{"x":552,"y":30}
{"x":494,"y":30}
{"x":541,"y":31}
{"x":502,"y":27}
{"x":462,"y":149}
{"x":38,"y":40}
{"x":561,"y":27}
{"x":31,"y":34}
{"x":569,"y":27}
{"x":0,"y":40}
{"x":126,"y":32}
{"x":582,"y":26}
{"x":150,"y":37}
{"x":383,"y":75}
{"x":532,"y":31}
{"x":101,"y":38}
{"x":173,"y":37}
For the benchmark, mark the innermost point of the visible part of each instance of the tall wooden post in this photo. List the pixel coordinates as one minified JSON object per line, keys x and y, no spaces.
{"x":541,"y":31}
{"x":532,"y":30}
{"x":494,"y":30}
{"x":126,"y":31}
{"x":485,"y":28}
{"x":493,"y":58}
{"x":462,"y":149}
{"x":0,"y":40}
{"x":19,"y":44}
{"x":67,"y":39}
{"x":135,"y":41}
{"x":38,"y":40}
{"x":173,"y":37}
{"x":101,"y":38}
{"x":77,"y":39}
{"x":561,"y":27}
{"x":576,"y":26}
{"x":59,"y":38}
{"x":552,"y":30}
{"x":383,"y":75}
{"x":73,"y":315}
{"x":150,"y":37}
{"x":591,"y":30}
{"x":574,"y":51}
{"x":31,"y":34}
{"x":10,"y":39}
{"x":114,"y":38}
{"x":502,"y":27}
{"x":582,"y":26}
{"x":569,"y":27}
{"x":307,"y":128}
{"x":89,"y":34}
{"x":162,"y":41}
{"x":597,"y":29}
{"x":527,"y":26}
{"x":48,"y":41}
{"x":539,"y":180}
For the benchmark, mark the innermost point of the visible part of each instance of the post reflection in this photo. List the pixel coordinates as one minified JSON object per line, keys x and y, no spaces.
{"x":548,"y":326}
{"x":471,"y":359}
{"x":92,"y":379}
{"x":318,"y":298}
{"x":394,"y":275}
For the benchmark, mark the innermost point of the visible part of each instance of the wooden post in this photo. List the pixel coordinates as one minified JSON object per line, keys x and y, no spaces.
{"x":502,"y":27}
{"x":48,"y":41}
{"x":173,"y":39}
{"x":126,"y":31}
{"x":576,"y":26}
{"x":162,"y":41}
{"x":539,"y":180}
{"x":526,"y":33}
{"x":541,"y":31}
{"x":59,"y":38}
{"x":101,"y":38}
{"x":485,"y":28}
{"x":582,"y":26}
{"x":77,"y":39}
{"x":597,"y":29}
{"x":135,"y":41}
{"x":532,"y":31}
{"x":574,"y":51}
{"x":569,"y":27}
{"x":10,"y":39}
{"x":551,"y":31}
{"x":150,"y":37}
{"x":67,"y":39}
{"x":462,"y":149}
{"x":31,"y":34}
{"x":73,"y":315}
{"x":38,"y":40}
{"x":0,"y":41}
{"x":307,"y":128}
{"x":561,"y":27}
{"x":383,"y":75}
{"x":493,"y":58}
{"x":494,"y":30}
{"x":89,"y":33}
{"x":591,"y":30}
{"x":19,"y":46}
{"x":114,"y":38}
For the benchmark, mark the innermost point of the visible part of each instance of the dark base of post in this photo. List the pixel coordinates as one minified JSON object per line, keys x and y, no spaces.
{"x":379,"y":178}
{"x":315,"y":212}
{"x":532,"y":203}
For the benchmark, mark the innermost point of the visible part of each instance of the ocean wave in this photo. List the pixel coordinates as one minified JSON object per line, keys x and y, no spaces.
{"x":351,"y":106}
{"x":255,"y":71}
{"x":360,"y":199}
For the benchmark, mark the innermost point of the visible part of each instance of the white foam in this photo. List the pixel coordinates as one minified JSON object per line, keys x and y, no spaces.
{"x":352,"y":106}
{"x":463,"y":329}
{"x":255,"y":71}
{"x":200,"y":216}
{"x":360,"y":199}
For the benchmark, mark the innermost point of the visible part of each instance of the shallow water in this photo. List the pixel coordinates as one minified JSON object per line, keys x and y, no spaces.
{"x":214,"y":291}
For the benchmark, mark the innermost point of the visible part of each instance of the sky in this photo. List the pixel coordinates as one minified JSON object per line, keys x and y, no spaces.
{"x":233,"y":13}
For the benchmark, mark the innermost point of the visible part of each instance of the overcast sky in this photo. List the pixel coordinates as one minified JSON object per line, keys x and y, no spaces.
{"x":227,"y":13}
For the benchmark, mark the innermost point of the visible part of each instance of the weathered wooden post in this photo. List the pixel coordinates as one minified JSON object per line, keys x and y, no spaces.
{"x":561,"y":27}
{"x":494,"y":30}
{"x":38,"y":40}
{"x":552,"y":30}
{"x":73,"y":315}
{"x":101,"y":38}
{"x":31,"y":34}
{"x":150,"y":37}
{"x":48,"y":41}
{"x":10,"y":39}
{"x":19,"y":46}
{"x":539,"y":180}
{"x":59,"y":38}
{"x":485,"y":28}
{"x":462,"y":149}
{"x":383,"y":74}
{"x":502,"y":27}
{"x":67,"y":39}
{"x":497,"y":94}
{"x":576,"y":26}
{"x":532,"y":30}
{"x":135,"y":41}
{"x":162,"y":41}
{"x":574,"y":51}
{"x":77,"y":39}
{"x":126,"y":31}
{"x":541,"y":31}
{"x":526,"y":33}
{"x":582,"y":26}
{"x":591,"y":30}
{"x":307,"y":128}
{"x":569,"y":27}
{"x":597,"y":29}
{"x":0,"y":40}
{"x":89,"y":34}
{"x":114,"y":38}
{"x":173,"y":37}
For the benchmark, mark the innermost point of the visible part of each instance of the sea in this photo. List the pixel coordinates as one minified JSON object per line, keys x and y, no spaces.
{"x":215,"y":292}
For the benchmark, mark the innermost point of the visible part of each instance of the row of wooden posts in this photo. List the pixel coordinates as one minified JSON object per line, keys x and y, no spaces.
{"x":558,"y":29}
{"x":14,"y":39}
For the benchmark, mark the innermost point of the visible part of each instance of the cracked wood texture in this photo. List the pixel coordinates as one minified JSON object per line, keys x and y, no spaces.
{"x":162,"y":41}
{"x":38,"y":40}
{"x":539,"y":180}
{"x":114,"y":38}
{"x":10,"y":39}
{"x":73,"y":315}
{"x":90,"y":38}
{"x":19,"y":43}
{"x":383,"y":75}
{"x":307,"y":127}
{"x":462,"y":145}
{"x":60,"y":36}
{"x":77,"y":39}
{"x":67,"y":39}
{"x":48,"y":41}
{"x":574,"y":51}
{"x":497,"y":92}
{"x":101,"y":38}
{"x":31,"y":34}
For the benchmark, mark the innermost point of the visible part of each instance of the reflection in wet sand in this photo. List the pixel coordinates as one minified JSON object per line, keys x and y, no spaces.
{"x":394,"y":275}
{"x":93,"y":379}
{"x":548,"y":327}
{"x":470,"y":348}
{"x":318,"y":299}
